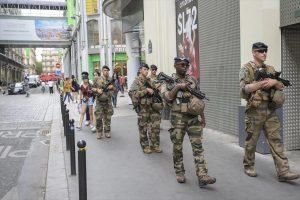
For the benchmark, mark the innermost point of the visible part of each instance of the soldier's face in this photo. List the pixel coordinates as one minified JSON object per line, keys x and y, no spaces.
{"x":153,"y":71}
{"x":260,"y":54}
{"x":144,"y":71}
{"x":105,"y":72}
{"x":181,"y":67}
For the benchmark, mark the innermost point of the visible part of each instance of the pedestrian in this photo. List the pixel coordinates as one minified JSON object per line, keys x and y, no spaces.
{"x":75,"y":88}
{"x":263,"y":98}
{"x":86,"y":100}
{"x":122,"y":83}
{"x":43,"y":87}
{"x":50,"y":84}
{"x":185,"y":112}
{"x":117,"y":87}
{"x":67,"y":89}
{"x":103,"y":88}
{"x":141,"y":93}
{"x":87,"y":113}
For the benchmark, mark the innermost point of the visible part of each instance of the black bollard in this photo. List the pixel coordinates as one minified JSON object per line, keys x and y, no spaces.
{"x":67,"y":130}
{"x":63,"y":115}
{"x":72,"y":147}
{"x":82,"y":170}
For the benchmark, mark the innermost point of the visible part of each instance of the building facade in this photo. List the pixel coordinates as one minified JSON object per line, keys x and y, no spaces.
{"x":51,"y":59}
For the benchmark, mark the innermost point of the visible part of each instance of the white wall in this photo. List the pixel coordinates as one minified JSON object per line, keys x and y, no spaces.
{"x":160,"y":27}
{"x":259,"y":22}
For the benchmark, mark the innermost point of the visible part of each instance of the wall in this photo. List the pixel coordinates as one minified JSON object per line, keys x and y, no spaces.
{"x":160,"y":27}
{"x":259,"y":22}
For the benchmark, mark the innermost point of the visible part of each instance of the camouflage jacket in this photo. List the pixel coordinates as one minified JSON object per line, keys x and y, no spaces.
{"x":138,"y":91}
{"x":99,"y":83}
{"x":246,"y":76}
{"x":180,"y":103}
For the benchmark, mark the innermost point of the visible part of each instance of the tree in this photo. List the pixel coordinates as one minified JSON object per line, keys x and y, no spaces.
{"x":39,"y":67}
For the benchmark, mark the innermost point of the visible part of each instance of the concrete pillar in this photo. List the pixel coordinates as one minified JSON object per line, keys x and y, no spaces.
{"x":132,"y":50}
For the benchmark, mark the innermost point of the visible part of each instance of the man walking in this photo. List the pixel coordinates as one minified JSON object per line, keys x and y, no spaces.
{"x":263,"y":98}
{"x":141,"y":93}
{"x":185,"y":119}
{"x":103,"y":88}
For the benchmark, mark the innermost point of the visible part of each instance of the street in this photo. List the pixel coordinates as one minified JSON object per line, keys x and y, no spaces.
{"x":24,"y":128}
{"x":116,"y":168}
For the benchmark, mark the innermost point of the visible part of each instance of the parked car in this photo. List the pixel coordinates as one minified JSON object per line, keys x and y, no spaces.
{"x":17,"y":88}
{"x":32,"y":81}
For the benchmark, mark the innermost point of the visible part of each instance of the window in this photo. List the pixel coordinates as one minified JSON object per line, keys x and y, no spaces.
{"x":93,"y":33}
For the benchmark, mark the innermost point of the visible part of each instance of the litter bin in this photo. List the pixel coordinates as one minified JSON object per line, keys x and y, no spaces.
{"x":262,"y":145}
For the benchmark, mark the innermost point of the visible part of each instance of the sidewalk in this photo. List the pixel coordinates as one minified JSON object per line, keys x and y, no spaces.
{"x":118,"y":170}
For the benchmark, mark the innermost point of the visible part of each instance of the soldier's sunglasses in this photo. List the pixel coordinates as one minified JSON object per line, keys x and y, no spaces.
{"x":262,"y":50}
{"x":153,"y":69}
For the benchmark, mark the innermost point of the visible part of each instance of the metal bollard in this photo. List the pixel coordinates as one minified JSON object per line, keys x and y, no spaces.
{"x":82,"y":170}
{"x":63,"y":114}
{"x":72,"y":147}
{"x":67,"y":130}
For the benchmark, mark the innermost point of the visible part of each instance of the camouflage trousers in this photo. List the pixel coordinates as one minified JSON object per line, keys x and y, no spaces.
{"x":149,"y":127}
{"x":181,"y":124}
{"x":259,"y":119}
{"x":103,"y":113}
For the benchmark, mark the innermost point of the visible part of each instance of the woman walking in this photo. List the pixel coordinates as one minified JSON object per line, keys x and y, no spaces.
{"x":75,"y":88}
{"x":87,"y":100}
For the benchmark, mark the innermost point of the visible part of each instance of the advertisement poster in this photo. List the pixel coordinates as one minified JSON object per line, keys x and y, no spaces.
{"x":34,"y":30}
{"x":187,"y":37}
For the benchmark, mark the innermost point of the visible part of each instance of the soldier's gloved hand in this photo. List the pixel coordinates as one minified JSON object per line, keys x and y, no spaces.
{"x":100,"y":91}
{"x":203,"y":123}
{"x":110,"y":87}
{"x":149,"y":90}
{"x":183,"y":86}
{"x":268,"y":83}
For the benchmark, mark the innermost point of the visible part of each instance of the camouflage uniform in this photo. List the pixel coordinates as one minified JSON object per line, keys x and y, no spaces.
{"x":146,"y":114}
{"x":103,"y":108}
{"x":261,"y":116}
{"x":182,"y":122}
{"x":155,"y":119}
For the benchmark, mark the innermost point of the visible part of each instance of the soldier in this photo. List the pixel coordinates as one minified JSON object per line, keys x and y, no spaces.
{"x":155,"y":116}
{"x":141,"y":93}
{"x":103,"y":108}
{"x":263,"y":97}
{"x":186,"y":120}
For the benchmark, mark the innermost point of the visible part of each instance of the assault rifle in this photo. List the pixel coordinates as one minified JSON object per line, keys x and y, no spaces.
{"x":105,"y":87}
{"x":262,"y":74}
{"x":156,"y":93}
{"x":165,"y":78}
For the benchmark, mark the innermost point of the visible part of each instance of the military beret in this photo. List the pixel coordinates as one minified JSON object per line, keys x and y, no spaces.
{"x":259,"y":45}
{"x":105,"y":67}
{"x":153,"y":67}
{"x":145,"y":65}
{"x":182,"y":59}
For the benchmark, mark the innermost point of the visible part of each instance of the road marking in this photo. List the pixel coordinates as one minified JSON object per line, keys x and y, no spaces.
{"x":18,"y":154}
{"x":5,"y":152}
{"x":12,"y":154}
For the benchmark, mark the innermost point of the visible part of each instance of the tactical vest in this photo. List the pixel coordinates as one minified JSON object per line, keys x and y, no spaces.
{"x":254,"y":99}
{"x":105,"y":96}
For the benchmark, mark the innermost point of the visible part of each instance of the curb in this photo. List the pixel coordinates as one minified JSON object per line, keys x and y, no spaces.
{"x":56,"y":183}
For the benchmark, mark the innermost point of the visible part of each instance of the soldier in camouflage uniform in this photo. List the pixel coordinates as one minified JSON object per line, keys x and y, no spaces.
{"x":103,"y":108}
{"x":178,"y":98}
{"x":142,"y":99}
{"x":261,"y":115}
{"x":155,"y":116}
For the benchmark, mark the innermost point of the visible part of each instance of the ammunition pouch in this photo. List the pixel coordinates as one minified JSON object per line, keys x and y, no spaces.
{"x":278,"y":99}
{"x":157,"y":106}
{"x":195,"y":106}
